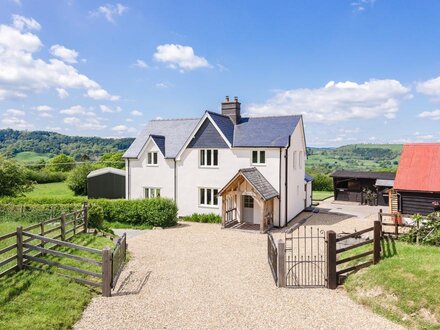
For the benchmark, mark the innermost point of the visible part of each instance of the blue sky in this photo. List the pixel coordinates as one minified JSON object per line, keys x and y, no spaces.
{"x":359,"y":71}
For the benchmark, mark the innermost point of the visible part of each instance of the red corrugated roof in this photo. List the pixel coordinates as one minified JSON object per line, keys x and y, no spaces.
{"x":419,"y":168}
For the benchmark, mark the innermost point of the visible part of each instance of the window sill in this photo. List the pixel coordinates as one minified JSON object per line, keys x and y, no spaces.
{"x":209,"y":206}
{"x":258,"y":164}
{"x":209,"y":167}
{"x":153,"y":165}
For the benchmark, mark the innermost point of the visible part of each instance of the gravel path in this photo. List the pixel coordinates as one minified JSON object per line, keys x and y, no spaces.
{"x":197,"y":276}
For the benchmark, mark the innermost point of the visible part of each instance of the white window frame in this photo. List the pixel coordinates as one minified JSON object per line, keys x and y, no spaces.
{"x":154,"y":158}
{"x":151,"y":192}
{"x":203,"y":158}
{"x":259,"y":162}
{"x":203,"y":191}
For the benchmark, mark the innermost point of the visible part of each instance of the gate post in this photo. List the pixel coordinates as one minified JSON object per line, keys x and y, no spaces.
{"x":376,"y":243}
{"x":86,"y":224}
{"x":281,"y":264}
{"x":20,"y":248}
{"x":332,"y":279}
{"x":63,"y":227}
{"x":106,"y":272}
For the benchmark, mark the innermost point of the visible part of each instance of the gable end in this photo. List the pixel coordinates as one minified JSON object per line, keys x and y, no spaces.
{"x":207,"y":137}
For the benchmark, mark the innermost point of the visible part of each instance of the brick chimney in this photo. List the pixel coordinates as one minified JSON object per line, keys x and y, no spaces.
{"x":232,"y":109}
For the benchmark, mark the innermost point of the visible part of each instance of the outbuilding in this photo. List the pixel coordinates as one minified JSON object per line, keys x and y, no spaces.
{"x":417,"y":184}
{"x":354,"y":186}
{"x":106,"y":182}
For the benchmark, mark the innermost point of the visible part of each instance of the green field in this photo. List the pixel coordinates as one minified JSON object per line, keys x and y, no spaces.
{"x":403,"y":286}
{"x":56,"y":189}
{"x":321,"y":195}
{"x":30,"y":156}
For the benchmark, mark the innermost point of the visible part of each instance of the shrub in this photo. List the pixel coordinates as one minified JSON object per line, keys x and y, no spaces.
{"x":44,"y":176}
{"x":34,"y":212}
{"x":95,"y":217}
{"x":13,"y":180}
{"x":112,"y":159}
{"x":61,"y":163}
{"x":426,"y":232}
{"x":42,"y":200}
{"x":322,"y":182}
{"x":77,"y":179}
{"x":204,"y":218}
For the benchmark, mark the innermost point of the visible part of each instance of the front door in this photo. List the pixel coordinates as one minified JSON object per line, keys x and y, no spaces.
{"x":248,"y":209}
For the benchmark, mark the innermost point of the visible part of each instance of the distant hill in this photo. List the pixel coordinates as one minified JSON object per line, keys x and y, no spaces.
{"x":36,"y":145}
{"x":371,"y":157}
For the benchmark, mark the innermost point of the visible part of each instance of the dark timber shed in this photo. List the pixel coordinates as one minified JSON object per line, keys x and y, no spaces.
{"x":106,"y":182}
{"x":349,"y":185}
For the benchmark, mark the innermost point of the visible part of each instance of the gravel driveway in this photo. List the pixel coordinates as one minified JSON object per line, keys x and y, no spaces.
{"x":197,"y":276}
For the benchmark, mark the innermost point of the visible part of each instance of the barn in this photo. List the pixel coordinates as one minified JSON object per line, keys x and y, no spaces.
{"x":350,"y":185}
{"x":417,"y":184}
{"x":106,"y":182}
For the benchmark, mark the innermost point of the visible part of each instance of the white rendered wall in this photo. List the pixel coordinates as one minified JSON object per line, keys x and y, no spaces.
{"x":142,"y":175}
{"x":309,"y":193}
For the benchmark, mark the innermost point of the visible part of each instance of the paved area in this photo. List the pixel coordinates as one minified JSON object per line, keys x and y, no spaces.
{"x":198,"y":276}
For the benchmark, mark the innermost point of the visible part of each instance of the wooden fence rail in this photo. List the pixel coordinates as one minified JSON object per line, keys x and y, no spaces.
{"x":31,"y":249}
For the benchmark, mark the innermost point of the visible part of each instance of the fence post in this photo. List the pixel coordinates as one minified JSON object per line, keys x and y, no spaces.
{"x":376,"y":243}
{"x":281,"y":264}
{"x":86,"y":225}
{"x":20,"y":248}
{"x":106,"y":272}
{"x":63,"y":227}
{"x":332,"y":279}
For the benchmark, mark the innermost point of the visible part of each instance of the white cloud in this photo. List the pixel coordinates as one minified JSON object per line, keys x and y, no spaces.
{"x":16,"y":123}
{"x":22,"y":74}
{"x":14,"y":113}
{"x":163,"y":84}
{"x":136,"y":113}
{"x":361,"y":5}
{"x":42,"y":108}
{"x":141,"y":64}
{"x":62,"y":93}
{"x":77,"y":110}
{"x":434,"y":115}
{"x":425,"y":137}
{"x":21,"y":23}
{"x":45,"y":115}
{"x":109,"y":11}
{"x":120,"y":128}
{"x":107,"y":109}
{"x":337,"y":101}
{"x":65,"y":54}
{"x":91,"y":123}
{"x":129,"y":120}
{"x":180,"y":57}
{"x":430,"y":87}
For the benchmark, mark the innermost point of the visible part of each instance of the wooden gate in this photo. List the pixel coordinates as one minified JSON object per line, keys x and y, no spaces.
{"x":272,"y":256}
{"x":305,"y":258}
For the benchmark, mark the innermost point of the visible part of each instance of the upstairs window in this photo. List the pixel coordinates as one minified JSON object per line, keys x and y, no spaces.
{"x":209,"y":157}
{"x":208,"y":197}
{"x":300,"y":159}
{"x":152,"y":192}
{"x":258,"y":157}
{"x":294,"y":160}
{"x":152,"y":158}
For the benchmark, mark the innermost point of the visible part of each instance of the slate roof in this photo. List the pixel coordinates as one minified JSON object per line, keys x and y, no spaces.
{"x":249,"y":132}
{"x":307,"y":177}
{"x":363,"y":175}
{"x":160,"y":142}
{"x":419,"y":168}
{"x":175,"y":131}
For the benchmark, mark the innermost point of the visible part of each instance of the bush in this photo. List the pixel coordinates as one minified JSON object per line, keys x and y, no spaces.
{"x":42,"y":200}
{"x":34,"y":212}
{"x":77,"y":179}
{"x":45,"y":176}
{"x":112,"y":159}
{"x":204,"y":218}
{"x":322,"y":182}
{"x":427,"y":232}
{"x":61,"y":163}
{"x":13,"y":180}
{"x":95,"y":217}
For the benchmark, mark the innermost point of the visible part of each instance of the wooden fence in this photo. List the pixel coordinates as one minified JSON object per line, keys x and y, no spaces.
{"x":389,"y":220}
{"x":33,"y":243}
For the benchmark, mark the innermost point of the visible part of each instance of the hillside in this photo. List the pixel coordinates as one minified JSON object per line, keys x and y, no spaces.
{"x":37,"y":145}
{"x":372,"y":157}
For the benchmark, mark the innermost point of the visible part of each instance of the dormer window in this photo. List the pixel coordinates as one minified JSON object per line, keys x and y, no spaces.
{"x":152,"y":158}
{"x":258,"y":157}
{"x":209,"y":157}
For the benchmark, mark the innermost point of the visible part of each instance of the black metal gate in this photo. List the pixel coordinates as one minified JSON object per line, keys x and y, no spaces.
{"x":305,"y":255}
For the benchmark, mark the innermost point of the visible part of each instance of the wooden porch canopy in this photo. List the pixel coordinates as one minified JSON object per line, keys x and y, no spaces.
{"x":248,"y":181}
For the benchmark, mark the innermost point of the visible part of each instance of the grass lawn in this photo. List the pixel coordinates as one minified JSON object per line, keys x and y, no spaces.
{"x":321,"y":195}
{"x":31,"y":156}
{"x":56,"y":189}
{"x":404,"y":286}
{"x":120,"y":225}
{"x":38,"y":300}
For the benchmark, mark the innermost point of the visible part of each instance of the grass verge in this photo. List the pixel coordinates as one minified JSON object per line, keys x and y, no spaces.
{"x":55,"y":189}
{"x":121,"y":225}
{"x":403,"y":287}
{"x":321,"y":195}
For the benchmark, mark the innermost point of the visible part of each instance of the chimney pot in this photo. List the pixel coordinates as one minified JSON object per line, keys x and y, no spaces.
{"x":232,"y":109}
{"x":235,"y":99}
{"x":227,"y":98}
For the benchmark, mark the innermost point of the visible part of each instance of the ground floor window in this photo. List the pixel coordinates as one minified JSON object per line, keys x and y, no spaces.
{"x":248,"y":202}
{"x":208,"y":197}
{"x":152,"y":192}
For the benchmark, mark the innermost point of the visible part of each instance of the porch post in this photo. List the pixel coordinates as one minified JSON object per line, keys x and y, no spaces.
{"x":223,"y":210}
{"x":262,"y":224}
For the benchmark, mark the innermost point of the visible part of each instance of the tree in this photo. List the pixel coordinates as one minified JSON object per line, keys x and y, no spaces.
{"x":61,"y":163}
{"x":13,"y":178}
{"x":77,"y":179}
{"x":112,"y":159}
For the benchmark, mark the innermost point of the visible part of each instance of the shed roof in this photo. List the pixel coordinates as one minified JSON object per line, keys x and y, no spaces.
{"x":363,"y":175}
{"x":419,"y":168}
{"x":106,"y":170}
{"x":257,"y":181}
{"x":308,"y":177}
{"x":384,"y":183}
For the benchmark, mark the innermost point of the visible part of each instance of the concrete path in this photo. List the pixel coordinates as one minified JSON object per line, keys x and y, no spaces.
{"x":198,"y":276}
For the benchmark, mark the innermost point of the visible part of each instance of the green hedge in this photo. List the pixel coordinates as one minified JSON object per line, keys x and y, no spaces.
{"x":157,"y":212}
{"x":204,"y":218}
{"x":44,"y":176}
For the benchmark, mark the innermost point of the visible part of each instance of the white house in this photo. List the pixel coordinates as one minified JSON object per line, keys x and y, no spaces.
{"x":247,"y":169}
